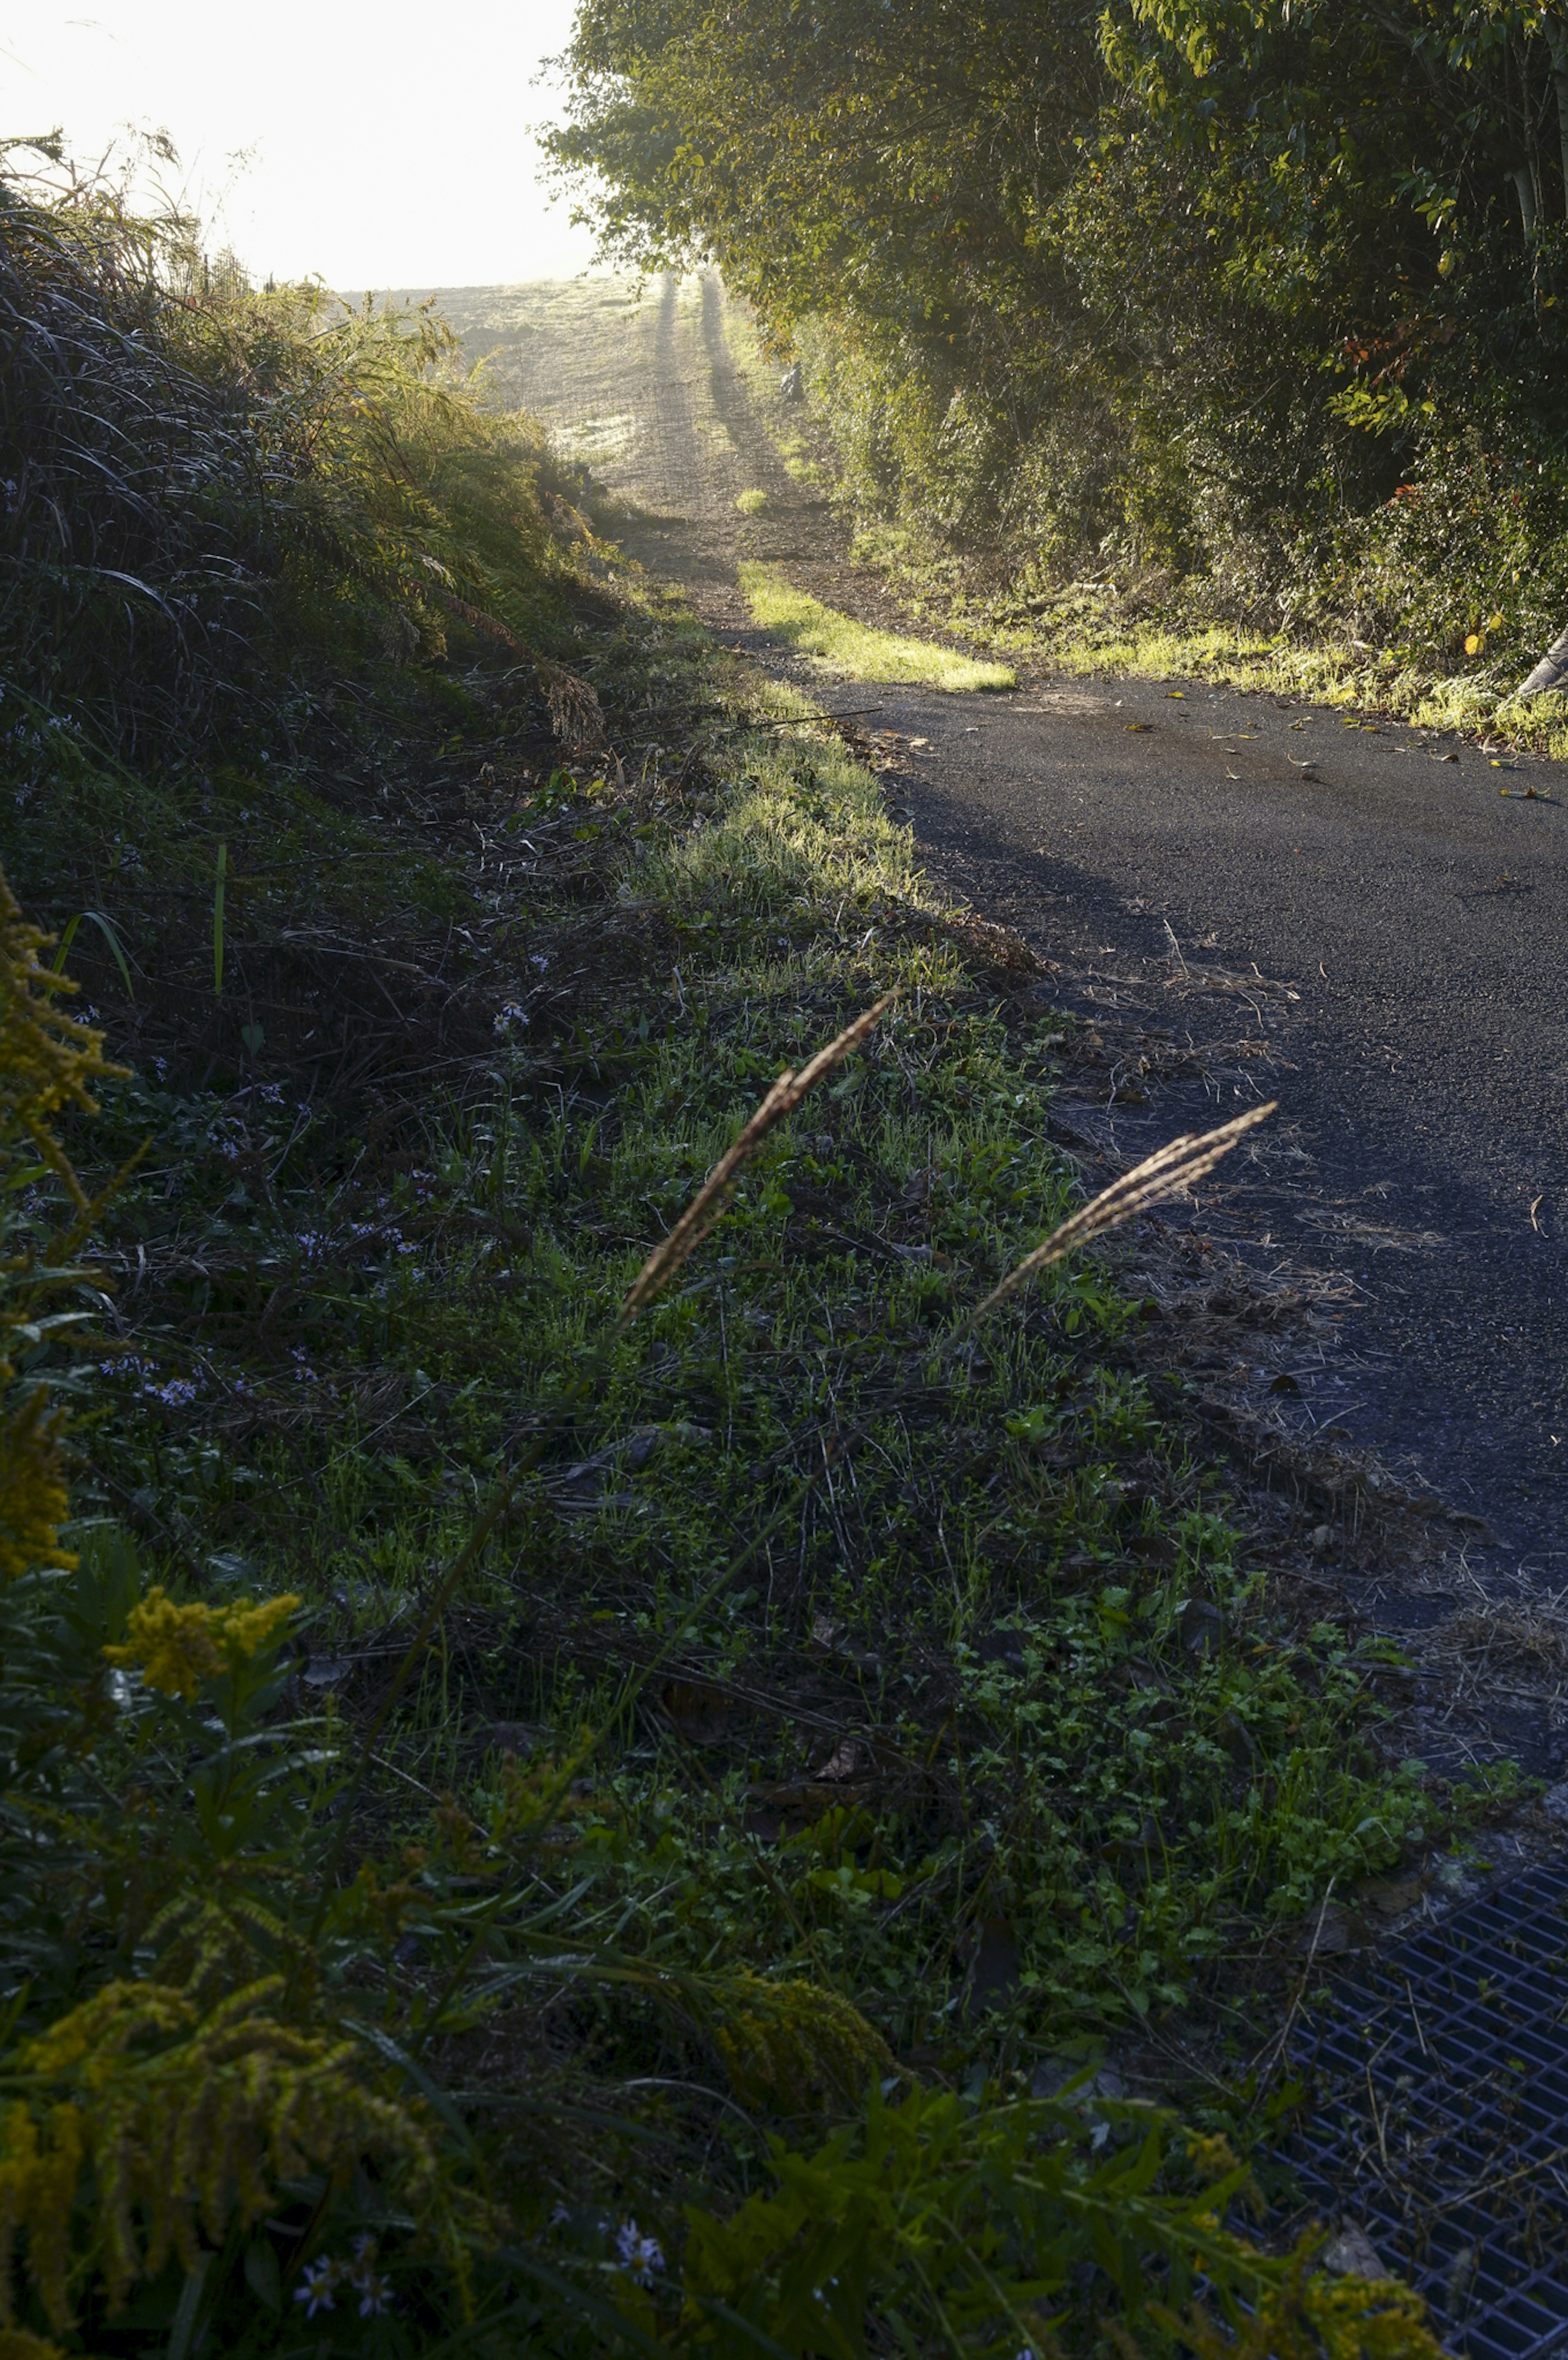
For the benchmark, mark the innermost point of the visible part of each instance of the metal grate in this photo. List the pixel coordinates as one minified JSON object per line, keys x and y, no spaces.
{"x":1441,"y":2121}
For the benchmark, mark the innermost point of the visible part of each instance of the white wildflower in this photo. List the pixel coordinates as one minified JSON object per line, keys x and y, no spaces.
{"x":643,"y":2256}
{"x":318,"y":2285}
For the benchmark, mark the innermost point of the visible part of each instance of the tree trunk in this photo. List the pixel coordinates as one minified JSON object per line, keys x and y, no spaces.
{"x":1556,"y":33}
{"x":1526,"y":199}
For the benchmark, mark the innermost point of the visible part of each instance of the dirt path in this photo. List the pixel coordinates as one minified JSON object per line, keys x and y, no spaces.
{"x":663,"y":392}
{"x":1375,"y":939}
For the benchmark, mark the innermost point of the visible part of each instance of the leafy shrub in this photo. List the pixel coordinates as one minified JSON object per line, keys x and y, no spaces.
{"x":1121,"y":293}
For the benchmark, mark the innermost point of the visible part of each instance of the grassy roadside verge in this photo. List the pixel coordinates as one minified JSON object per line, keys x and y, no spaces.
{"x":853,"y":650}
{"x":1109,"y":630}
{"x":837,"y":1741}
{"x":999,"y":1738}
{"x":1024,"y":1552}
{"x":1093,"y":629}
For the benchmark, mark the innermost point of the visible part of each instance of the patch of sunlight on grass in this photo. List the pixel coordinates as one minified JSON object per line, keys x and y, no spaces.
{"x":777,"y":848}
{"x":843,"y":645}
{"x":752,"y":503}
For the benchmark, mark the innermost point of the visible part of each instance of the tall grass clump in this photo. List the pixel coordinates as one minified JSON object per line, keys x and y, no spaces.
{"x":215,"y":493}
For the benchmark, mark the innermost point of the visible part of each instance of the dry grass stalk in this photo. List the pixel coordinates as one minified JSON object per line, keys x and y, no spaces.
{"x":478,"y":619}
{"x":575,"y":714}
{"x":1173,"y":1168}
{"x":1530,"y":1642}
{"x":682,"y":1241}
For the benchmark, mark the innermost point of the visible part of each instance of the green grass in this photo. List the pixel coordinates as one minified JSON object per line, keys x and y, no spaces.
{"x":1081,"y":631}
{"x":951,"y":1656}
{"x":752,"y":503}
{"x":1088,"y":629}
{"x":986,"y":1581}
{"x":854,"y":649}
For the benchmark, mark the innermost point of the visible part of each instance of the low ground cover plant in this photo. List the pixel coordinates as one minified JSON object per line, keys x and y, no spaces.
{"x":579,"y":1774}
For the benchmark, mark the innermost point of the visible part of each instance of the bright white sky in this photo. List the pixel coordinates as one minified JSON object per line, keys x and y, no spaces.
{"x":389,"y":145}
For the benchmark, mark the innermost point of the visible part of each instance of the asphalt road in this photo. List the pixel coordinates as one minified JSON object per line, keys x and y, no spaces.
{"x":1402,"y":921}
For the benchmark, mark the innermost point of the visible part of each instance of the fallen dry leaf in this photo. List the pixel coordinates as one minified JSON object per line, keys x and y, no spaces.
{"x":698,"y":1713}
{"x":1202,"y":1627}
{"x":1391,"y":1896}
{"x":1353,"y":2255}
{"x":847,"y":1760}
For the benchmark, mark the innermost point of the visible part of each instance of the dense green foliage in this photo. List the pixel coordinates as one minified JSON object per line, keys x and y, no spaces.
{"x":1262,"y":297}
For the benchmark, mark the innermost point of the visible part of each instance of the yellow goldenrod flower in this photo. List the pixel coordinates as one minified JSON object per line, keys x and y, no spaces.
{"x":47,"y":1057}
{"x":16,"y":2343}
{"x":171,"y":1646}
{"x":175,"y":1648}
{"x":1212,"y":2156}
{"x":782,"y":2042}
{"x":246,"y":1629}
{"x":187,"y":2120}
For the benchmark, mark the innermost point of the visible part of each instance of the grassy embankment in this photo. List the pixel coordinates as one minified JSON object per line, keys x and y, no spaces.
{"x":673,"y":1729}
